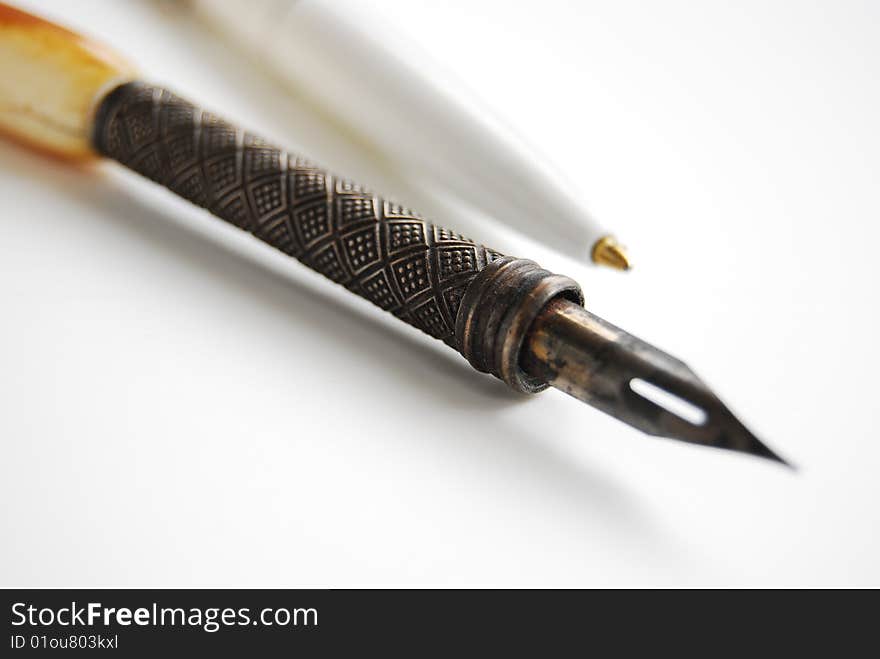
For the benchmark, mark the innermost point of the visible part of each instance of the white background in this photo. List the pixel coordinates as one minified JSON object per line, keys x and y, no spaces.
{"x":181,"y":406}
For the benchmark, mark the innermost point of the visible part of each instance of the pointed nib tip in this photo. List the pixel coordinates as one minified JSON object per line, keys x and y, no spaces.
{"x":759,"y":449}
{"x":608,"y":252}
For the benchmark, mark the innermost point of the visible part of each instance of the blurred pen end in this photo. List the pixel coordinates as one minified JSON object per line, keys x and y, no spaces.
{"x":608,"y":252}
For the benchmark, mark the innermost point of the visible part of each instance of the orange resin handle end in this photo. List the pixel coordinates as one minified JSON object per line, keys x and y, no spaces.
{"x":51,"y":80}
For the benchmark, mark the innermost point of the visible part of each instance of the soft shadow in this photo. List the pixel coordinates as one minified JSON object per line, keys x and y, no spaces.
{"x":356,"y":328}
{"x":241,"y":262}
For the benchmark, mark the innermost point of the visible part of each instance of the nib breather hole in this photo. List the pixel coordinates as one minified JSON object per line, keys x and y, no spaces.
{"x":669,"y":401}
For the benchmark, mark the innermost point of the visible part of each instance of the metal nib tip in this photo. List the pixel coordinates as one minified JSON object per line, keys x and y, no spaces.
{"x":608,"y":252}
{"x":671,"y":401}
{"x":633,"y":381}
{"x":758,"y":448}
{"x":728,"y":432}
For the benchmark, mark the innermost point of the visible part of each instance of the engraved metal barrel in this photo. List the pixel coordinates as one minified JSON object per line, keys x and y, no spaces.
{"x":380,"y":250}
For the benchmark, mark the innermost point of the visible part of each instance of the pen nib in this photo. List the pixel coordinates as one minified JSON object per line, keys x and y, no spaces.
{"x":683,"y":407}
{"x":633,"y":381}
{"x":608,"y":252}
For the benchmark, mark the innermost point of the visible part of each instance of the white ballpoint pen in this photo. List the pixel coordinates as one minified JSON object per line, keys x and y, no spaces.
{"x":429,"y":128}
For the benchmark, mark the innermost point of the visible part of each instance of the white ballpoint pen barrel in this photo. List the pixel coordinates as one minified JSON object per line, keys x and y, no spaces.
{"x":429,"y":128}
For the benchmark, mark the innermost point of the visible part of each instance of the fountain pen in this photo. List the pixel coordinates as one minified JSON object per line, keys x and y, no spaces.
{"x":509,"y":317}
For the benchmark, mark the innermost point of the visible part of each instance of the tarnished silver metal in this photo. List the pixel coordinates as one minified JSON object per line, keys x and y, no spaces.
{"x":596,"y":362}
{"x":376,"y":248}
{"x":497,"y":311}
{"x":388,"y":254}
{"x":507,"y":316}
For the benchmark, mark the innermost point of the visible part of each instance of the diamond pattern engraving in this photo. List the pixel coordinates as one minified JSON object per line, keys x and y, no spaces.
{"x":313,"y":223}
{"x":217,"y":139}
{"x":235,"y":211}
{"x":362,"y":248}
{"x":222,"y":173}
{"x":277,"y":233}
{"x":405,"y":234}
{"x":147,"y":163}
{"x":381,"y":250}
{"x":356,"y":208}
{"x":453,"y":298}
{"x":308,"y":184}
{"x":260,"y":161}
{"x":328,"y":263}
{"x":456,"y":261}
{"x":140,"y":127}
{"x":430,"y":320}
{"x":182,"y":151}
{"x":268,"y":197}
{"x":411,"y":275}
{"x":177,"y":116}
{"x":190,"y":186}
{"x":378,"y":291}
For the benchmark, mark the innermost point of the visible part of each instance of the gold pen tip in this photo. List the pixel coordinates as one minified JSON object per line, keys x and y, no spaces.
{"x":607,"y":251}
